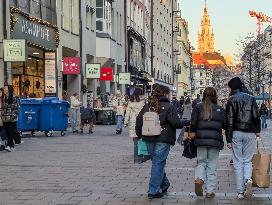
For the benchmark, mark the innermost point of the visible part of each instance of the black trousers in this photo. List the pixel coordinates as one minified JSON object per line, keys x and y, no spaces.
{"x":11,"y":133}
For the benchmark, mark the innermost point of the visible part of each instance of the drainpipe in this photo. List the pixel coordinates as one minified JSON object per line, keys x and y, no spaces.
{"x":5,"y":37}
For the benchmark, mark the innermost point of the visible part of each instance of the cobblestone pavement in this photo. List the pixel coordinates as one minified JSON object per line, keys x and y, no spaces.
{"x":98,"y":169}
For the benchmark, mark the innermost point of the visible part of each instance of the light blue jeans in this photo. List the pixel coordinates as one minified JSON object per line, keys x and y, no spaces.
{"x":206,"y":166}
{"x":74,"y":119}
{"x":158,"y":179}
{"x":119,"y":122}
{"x":243,"y":146}
{"x":263,"y":120}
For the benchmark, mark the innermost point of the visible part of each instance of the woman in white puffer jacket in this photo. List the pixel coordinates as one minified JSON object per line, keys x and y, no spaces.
{"x":135,"y":105}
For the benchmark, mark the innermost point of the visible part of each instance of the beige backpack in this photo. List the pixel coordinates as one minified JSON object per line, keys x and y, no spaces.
{"x":151,"y":124}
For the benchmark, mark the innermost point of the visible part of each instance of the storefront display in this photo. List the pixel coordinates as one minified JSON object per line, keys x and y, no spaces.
{"x":36,"y":77}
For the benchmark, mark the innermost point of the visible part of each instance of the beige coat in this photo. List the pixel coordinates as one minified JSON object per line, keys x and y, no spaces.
{"x":75,"y":103}
{"x":118,"y":104}
{"x":133,"y":110}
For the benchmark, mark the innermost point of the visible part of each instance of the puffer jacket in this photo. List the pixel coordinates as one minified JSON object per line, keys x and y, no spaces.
{"x":133,"y":110}
{"x":10,"y":111}
{"x":1,"y":121}
{"x":169,"y":120}
{"x":242,"y":114}
{"x":263,"y":111}
{"x":208,"y":132}
{"x":118,"y":104}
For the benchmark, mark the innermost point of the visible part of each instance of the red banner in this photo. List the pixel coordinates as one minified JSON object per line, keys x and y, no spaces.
{"x":71,"y":65}
{"x":106,"y":74}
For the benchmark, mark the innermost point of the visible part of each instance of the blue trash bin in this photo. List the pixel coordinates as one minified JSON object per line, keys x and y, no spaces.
{"x":28,"y":117}
{"x":53,"y":116}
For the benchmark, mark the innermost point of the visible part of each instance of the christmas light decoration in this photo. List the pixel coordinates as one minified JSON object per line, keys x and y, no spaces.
{"x":13,"y":20}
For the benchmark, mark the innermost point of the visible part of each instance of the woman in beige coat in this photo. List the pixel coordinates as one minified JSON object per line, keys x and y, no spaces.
{"x":135,"y":105}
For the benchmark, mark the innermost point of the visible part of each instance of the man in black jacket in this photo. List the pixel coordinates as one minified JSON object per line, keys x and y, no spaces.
{"x":243,"y":126}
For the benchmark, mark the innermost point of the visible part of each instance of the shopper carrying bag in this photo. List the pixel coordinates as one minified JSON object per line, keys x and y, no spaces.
{"x":261,"y":168}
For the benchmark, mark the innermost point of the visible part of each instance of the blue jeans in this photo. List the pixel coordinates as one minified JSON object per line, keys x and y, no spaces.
{"x":263,"y":119}
{"x":243,"y":146}
{"x":206,"y":167}
{"x":158,"y":179}
{"x":74,"y":119}
{"x":119,"y":122}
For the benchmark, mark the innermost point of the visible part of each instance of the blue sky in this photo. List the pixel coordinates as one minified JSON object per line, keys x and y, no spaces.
{"x":229,"y":18}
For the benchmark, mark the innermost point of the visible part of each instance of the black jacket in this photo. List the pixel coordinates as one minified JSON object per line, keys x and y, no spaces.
{"x":263,"y":111}
{"x":208,"y":132}
{"x":169,"y":120}
{"x":242,"y":114}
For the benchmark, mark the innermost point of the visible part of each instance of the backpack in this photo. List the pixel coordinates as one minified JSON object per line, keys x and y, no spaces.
{"x":151,"y":124}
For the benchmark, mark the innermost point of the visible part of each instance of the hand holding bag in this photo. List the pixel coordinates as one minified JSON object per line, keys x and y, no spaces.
{"x":190,"y":150}
{"x":142,"y":148}
{"x":261,"y":168}
{"x":188,"y":134}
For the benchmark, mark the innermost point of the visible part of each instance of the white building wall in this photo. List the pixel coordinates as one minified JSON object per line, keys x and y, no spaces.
{"x":163,"y":41}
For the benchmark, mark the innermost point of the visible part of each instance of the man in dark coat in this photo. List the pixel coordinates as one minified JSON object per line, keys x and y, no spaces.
{"x":243,"y":126}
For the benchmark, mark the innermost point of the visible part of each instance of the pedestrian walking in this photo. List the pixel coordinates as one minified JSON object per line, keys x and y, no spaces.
{"x":10,"y":112}
{"x":243,"y":126}
{"x":2,"y":133}
{"x":181,"y":102}
{"x":264,"y":115}
{"x":74,"y":107}
{"x":208,"y":120}
{"x":177,"y":105}
{"x":159,"y":146}
{"x":87,"y":118}
{"x":186,"y":115}
{"x":134,"y":107}
{"x":196,"y":101}
{"x":119,"y":104}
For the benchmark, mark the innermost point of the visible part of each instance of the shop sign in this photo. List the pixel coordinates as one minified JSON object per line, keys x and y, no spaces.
{"x":14,"y":50}
{"x":106,"y":74}
{"x":34,"y":32}
{"x":50,"y":74}
{"x":71,"y":65}
{"x":93,"y":71}
{"x":124,"y":78}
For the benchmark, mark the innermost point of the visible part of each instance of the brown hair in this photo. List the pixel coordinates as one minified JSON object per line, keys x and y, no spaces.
{"x":209,"y":98}
{"x":153,"y":100}
{"x":135,"y":97}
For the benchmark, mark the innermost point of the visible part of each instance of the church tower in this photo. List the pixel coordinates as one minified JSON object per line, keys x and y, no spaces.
{"x":206,"y":35}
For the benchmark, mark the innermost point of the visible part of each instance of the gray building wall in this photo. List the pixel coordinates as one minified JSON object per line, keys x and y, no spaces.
{"x":1,"y":46}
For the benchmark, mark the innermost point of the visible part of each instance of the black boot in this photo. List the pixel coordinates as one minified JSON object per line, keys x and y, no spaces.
{"x":90,"y":131}
{"x":81,"y":131}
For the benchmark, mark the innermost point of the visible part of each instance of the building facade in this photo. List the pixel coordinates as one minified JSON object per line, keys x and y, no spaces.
{"x":110,"y":41}
{"x":164,"y":39}
{"x":202,"y":78}
{"x":35,"y":23}
{"x":184,"y":58}
{"x":138,"y":41}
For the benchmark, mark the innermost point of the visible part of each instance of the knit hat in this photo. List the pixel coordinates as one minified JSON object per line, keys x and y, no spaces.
{"x":235,"y":83}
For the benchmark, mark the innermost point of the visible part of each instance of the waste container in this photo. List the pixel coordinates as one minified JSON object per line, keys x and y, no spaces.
{"x":53,"y":116}
{"x":28,"y":116}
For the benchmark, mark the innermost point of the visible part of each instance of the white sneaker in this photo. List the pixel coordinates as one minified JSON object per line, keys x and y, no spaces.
{"x":241,"y":196}
{"x":248,"y":191}
{"x":20,"y":143}
{"x":12,"y":149}
{"x":8,"y":149}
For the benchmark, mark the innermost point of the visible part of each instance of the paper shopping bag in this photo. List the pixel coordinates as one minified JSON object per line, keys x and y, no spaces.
{"x":261,"y":168}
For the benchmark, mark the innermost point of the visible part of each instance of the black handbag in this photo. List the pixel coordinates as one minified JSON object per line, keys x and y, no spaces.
{"x":190,"y":150}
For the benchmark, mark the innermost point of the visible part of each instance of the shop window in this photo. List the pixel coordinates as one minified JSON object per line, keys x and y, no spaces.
{"x":13,"y":3}
{"x":65,"y":15}
{"x":75,"y":17}
{"x":24,"y":5}
{"x":36,"y":8}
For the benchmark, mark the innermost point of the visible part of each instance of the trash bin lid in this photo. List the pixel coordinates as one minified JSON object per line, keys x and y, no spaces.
{"x":60,"y":102}
{"x":51,"y":98}
{"x":30,"y":101}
